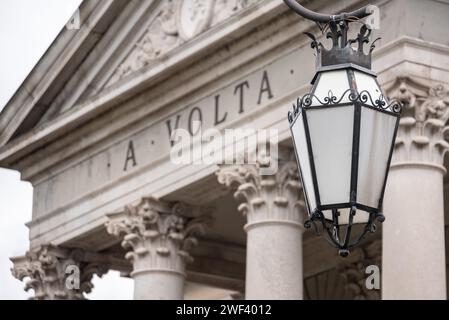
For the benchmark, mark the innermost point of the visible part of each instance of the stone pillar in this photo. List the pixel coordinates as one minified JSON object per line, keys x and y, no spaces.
{"x":274,"y":228}
{"x":56,"y":273}
{"x":414,"y":264}
{"x":159,"y":236}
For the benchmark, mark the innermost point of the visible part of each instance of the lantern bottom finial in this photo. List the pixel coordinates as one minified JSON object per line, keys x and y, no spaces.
{"x":339,"y":235}
{"x":343,"y":253}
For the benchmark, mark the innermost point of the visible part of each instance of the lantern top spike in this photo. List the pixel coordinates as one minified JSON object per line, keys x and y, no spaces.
{"x":336,"y":28}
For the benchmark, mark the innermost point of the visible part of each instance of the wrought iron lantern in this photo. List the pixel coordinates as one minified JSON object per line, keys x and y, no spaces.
{"x":343,"y":132}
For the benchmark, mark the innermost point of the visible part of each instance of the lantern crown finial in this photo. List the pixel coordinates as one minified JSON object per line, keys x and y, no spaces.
{"x":343,"y":50}
{"x":336,"y":27}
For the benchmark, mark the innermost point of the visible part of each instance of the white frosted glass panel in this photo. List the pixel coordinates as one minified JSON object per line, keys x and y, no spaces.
{"x":376,"y":137}
{"x":360,"y":216}
{"x":336,"y":81}
{"x":300,"y":142}
{"x":368,"y":83}
{"x":331,"y":137}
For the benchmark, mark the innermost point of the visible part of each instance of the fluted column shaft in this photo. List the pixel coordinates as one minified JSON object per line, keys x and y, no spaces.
{"x":159,"y":236}
{"x":414,"y":264}
{"x":274,"y":229}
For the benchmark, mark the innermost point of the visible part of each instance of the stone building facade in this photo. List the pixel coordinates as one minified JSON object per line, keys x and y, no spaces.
{"x":90,"y":128}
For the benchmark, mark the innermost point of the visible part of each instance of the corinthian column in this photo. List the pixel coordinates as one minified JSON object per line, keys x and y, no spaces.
{"x":159,"y":236}
{"x":413,"y":235}
{"x":56,"y":273}
{"x":274,"y":228}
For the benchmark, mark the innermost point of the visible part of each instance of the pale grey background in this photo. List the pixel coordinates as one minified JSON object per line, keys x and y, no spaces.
{"x":27,"y":28}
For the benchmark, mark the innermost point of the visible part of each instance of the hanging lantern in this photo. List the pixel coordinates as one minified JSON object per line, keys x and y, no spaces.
{"x":343,"y":132}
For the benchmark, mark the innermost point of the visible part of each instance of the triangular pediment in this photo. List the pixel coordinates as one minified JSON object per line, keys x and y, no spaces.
{"x":117,"y":40}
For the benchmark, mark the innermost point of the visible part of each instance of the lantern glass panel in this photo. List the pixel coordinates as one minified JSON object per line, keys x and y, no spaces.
{"x":302,"y":153}
{"x":336,"y":82}
{"x":331,"y":136}
{"x":366,"y":82}
{"x":376,"y":137}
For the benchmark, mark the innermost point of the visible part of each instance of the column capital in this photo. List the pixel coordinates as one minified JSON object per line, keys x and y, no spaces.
{"x":158,"y":233}
{"x":50,"y":270}
{"x":267,"y":198}
{"x":422,"y":134}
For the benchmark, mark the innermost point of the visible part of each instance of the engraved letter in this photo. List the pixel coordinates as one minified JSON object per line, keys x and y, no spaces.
{"x":130,"y":156}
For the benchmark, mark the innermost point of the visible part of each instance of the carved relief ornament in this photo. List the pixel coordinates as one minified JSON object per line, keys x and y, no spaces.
{"x":48,"y":269}
{"x":159,"y":234}
{"x":423,"y":131}
{"x":176,"y":22}
{"x":266,"y":197}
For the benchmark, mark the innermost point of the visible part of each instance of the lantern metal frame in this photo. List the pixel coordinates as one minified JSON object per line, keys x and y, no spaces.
{"x":332,"y":227}
{"x":342,"y":57}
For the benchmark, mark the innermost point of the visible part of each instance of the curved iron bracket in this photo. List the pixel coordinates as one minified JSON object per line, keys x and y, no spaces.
{"x":325,"y":18}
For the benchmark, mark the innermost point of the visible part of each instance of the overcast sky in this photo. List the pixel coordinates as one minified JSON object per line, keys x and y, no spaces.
{"x":27,"y":28}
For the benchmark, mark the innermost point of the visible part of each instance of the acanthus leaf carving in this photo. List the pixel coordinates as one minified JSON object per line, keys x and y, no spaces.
{"x":261,"y":193}
{"x":422,"y":133}
{"x":436,"y":104}
{"x":164,"y":231}
{"x":46,"y":268}
{"x":422,"y":101}
{"x":91,"y":269}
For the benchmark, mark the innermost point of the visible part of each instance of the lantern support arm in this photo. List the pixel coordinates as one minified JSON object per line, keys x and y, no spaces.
{"x":325,"y":18}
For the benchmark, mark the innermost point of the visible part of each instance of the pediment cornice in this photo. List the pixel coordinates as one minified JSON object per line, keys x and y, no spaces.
{"x":44,"y":132}
{"x":78,"y":64}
